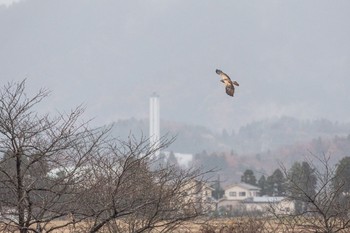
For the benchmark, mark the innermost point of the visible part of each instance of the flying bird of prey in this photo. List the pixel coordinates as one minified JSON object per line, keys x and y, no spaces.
{"x":230,"y":88}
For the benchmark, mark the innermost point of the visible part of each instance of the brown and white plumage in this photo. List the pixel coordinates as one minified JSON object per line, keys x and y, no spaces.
{"x":229,"y":85}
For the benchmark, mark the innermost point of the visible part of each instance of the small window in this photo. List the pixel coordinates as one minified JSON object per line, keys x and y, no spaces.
{"x":232,"y":194}
{"x":242,"y":194}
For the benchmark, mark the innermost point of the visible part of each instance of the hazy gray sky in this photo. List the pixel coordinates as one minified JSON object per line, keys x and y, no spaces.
{"x":8,"y":2}
{"x":290,"y":57}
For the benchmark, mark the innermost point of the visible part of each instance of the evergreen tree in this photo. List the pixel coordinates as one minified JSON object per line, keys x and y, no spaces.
{"x":262,"y":185}
{"x":269,"y":186}
{"x":218,"y":191}
{"x":301,"y":177}
{"x":342,"y":174}
{"x":248,"y":177}
{"x":172,"y":160}
{"x":275,"y":184}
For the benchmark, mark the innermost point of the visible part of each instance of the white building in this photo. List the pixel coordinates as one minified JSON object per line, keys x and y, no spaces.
{"x":241,"y":191}
{"x":235,"y":194}
{"x":266,"y":204}
{"x":244,"y":197}
{"x":154,"y":122}
{"x":184,"y":160}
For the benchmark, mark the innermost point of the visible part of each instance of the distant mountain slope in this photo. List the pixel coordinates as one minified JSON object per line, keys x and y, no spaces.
{"x":189,"y":138}
{"x":259,"y":146}
{"x":231,"y":166}
{"x":256,"y":137}
{"x":273,"y":133}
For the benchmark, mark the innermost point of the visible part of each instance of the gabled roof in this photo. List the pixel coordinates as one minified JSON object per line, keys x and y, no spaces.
{"x":243,"y":185}
{"x":265,"y":199}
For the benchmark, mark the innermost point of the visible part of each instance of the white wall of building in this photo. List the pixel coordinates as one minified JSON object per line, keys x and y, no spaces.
{"x":154,"y":124}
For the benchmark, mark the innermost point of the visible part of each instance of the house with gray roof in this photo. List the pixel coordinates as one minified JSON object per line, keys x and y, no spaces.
{"x":242,"y":197}
{"x":241,"y":191}
{"x":266,"y":204}
{"x":236,"y":193}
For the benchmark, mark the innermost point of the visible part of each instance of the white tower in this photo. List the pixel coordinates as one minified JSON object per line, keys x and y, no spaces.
{"x":154,"y":128}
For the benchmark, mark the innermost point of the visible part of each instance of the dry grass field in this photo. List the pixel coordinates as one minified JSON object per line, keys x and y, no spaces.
{"x":232,"y":225}
{"x":224,"y":225}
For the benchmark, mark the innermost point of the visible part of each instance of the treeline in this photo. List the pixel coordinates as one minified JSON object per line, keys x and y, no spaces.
{"x":318,"y":189}
{"x":232,"y":164}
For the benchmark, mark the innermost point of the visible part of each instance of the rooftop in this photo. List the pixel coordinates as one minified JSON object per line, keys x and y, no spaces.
{"x":264,"y":199}
{"x":244,"y":185}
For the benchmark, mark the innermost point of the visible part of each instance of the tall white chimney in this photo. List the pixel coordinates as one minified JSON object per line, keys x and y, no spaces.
{"x":154,"y":122}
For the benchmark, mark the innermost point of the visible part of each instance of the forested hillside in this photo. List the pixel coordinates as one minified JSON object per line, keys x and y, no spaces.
{"x":259,"y":146}
{"x":256,"y":137}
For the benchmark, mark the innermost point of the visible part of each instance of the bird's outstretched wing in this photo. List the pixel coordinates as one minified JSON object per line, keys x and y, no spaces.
{"x":223,"y":76}
{"x":229,"y":85}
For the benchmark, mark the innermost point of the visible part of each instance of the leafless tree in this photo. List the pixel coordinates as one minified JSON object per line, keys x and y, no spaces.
{"x":327,"y":209}
{"x":41,"y":159}
{"x":131,"y":192}
{"x":60,"y":169}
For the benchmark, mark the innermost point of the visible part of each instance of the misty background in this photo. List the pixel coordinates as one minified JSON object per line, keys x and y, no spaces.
{"x":291,"y":59}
